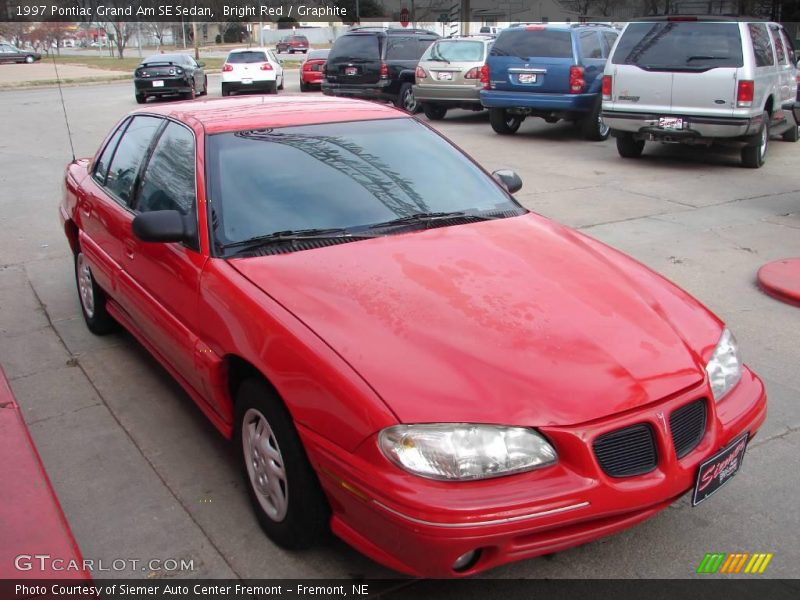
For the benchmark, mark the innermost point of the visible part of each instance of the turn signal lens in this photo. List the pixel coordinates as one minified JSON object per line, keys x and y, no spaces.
{"x":420,"y":73}
{"x":607,"y":86}
{"x":266,"y":67}
{"x":485,"y":76}
{"x":226,"y":68}
{"x":576,"y":81}
{"x":473,"y":73}
{"x":745,"y":92}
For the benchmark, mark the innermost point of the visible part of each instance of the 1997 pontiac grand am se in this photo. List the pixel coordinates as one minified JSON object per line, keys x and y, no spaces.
{"x":401,"y":351}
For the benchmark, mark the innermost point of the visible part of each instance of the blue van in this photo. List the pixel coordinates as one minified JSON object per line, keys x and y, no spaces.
{"x":548,"y":70}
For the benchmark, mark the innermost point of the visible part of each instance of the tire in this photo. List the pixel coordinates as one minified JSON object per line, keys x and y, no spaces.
{"x":503,"y":122}
{"x":592,"y":126}
{"x":304,"y":87}
{"x":791,"y":135}
{"x":754,"y":155}
{"x":406,"y":100}
{"x":191,"y":94}
{"x":225,"y":90}
{"x":141,"y":98}
{"x":629,"y":147}
{"x":273,"y":89}
{"x":205,"y":86}
{"x":29,"y":59}
{"x":92,"y":299}
{"x":283,"y":488}
{"x":434,"y":112}
{"x":280,"y":87}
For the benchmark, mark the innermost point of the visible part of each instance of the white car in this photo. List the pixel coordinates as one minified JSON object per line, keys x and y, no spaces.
{"x":252,"y":69}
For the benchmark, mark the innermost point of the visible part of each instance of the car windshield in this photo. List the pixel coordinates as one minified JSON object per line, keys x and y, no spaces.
{"x":455,"y":51}
{"x":251,"y":56}
{"x":340,"y":175}
{"x":540,"y":43}
{"x":355,"y":46}
{"x":681,"y":44}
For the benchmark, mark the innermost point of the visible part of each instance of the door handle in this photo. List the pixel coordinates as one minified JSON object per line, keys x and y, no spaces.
{"x":130,"y":249}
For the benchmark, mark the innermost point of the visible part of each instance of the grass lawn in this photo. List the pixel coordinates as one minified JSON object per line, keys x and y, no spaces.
{"x":129,"y":63}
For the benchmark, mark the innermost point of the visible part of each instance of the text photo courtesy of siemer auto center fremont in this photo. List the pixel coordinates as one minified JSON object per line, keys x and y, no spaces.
{"x":352,"y":298}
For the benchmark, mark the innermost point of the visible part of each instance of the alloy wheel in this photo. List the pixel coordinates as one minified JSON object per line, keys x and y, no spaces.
{"x":265,"y":465}
{"x":85,"y":286}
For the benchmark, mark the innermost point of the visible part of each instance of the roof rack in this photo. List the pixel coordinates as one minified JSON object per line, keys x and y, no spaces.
{"x":392,"y":30}
{"x":703,"y":18}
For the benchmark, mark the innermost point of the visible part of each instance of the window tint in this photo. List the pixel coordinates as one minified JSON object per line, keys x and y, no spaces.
{"x":455,"y":51}
{"x":540,"y":43}
{"x":168,"y":182}
{"x":246,"y":57}
{"x":761,"y":45}
{"x":101,"y":168}
{"x":404,"y":48}
{"x":316,"y":54}
{"x":129,"y":155}
{"x":779,"y":49}
{"x":608,"y":42}
{"x":339,"y":175}
{"x":356,"y":46}
{"x":681,"y":45}
{"x":590,"y":45}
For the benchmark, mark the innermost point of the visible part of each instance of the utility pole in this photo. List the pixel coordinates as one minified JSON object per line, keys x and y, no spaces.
{"x":465,"y":16}
{"x":196,"y":41}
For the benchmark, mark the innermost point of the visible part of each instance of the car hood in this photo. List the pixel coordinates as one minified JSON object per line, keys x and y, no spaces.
{"x":514,"y":321}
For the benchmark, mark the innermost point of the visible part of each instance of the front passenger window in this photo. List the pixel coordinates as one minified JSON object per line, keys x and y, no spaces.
{"x":168,"y":182}
{"x":128,"y":157}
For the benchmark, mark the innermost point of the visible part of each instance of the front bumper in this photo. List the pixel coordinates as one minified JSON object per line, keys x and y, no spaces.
{"x":447,"y":94}
{"x":420,"y":526}
{"x":538,"y":102}
{"x":695,"y":127}
{"x":172,"y":85}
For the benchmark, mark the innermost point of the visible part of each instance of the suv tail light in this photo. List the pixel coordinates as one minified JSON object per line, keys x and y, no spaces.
{"x":576,"y":81}
{"x":745,"y":92}
{"x":384,"y":71}
{"x":420,"y":73}
{"x":473,"y":73}
{"x":485,"y":76}
{"x":266,"y":66}
{"x":607,"y":86}
{"x":226,"y":68}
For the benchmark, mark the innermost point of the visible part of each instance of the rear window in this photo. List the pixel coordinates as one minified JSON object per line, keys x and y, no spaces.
{"x":541,"y":43}
{"x":406,"y":48}
{"x":246,"y":57}
{"x":299,"y":38}
{"x":356,"y":46}
{"x":682,"y":45}
{"x":317,"y":54}
{"x":458,"y":51}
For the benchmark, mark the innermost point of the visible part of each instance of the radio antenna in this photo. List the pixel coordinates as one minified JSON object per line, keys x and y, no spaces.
{"x":64,"y":107}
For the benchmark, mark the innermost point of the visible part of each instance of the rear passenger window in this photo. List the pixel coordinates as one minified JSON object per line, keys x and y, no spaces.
{"x":761,"y":45}
{"x":404,"y":48}
{"x":101,"y":168}
{"x":590,"y":45}
{"x":540,"y":43}
{"x":129,"y":155}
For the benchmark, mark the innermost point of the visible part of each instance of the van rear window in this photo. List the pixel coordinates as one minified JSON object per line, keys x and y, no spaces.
{"x":539,"y":43}
{"x":680,"y":45}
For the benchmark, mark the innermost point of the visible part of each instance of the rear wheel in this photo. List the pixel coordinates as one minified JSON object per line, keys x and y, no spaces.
{"x":304,"y":87}
{"x":283,"y":488}
{"x":593,"y":127}
{"x":435,"y":112}
{"x":629,"y":147}
{"x":225,"y":90}
{"x":205,"y":86}
{"x":504,"y":122}
{"x":190,"y":95}
{"x":406,"y":100}
{"x":754,"y":155}
{"x":93,"y":299}
{"x":280,"y":87}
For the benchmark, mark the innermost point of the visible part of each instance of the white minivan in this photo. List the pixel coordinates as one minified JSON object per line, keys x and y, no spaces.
{"x":699,"y":80}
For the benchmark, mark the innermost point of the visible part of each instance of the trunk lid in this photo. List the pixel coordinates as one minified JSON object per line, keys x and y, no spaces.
{"x":355,"y":59}
{"x":532,"y":59}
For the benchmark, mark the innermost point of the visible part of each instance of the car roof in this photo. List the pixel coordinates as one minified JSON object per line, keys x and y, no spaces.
{"x":557,"y":26}
{"x":219,"y":115}
{"x":254,"y":49}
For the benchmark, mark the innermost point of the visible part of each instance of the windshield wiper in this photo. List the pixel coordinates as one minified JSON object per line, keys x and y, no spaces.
{"x":427,"y":218}
{"x":292,"y":235}
{"x":702,"y":57}
{"x":438,"y":57}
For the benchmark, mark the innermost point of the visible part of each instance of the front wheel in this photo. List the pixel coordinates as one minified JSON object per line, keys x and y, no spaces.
{"x":141,"y":98}
{"x":791,"y":135}
{"x":504,"y":122}
{"x":593,"y":127}
{"x":406,"y":100}
{"x":435,"y":112}
{"x":92,"y":298}
{"x":29,"y":59}
{"x":283,"y":488}
{"x":628,"y":147}
{"x":753,"y":156}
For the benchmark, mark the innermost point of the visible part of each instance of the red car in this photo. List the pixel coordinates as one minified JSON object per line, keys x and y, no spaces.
{"x":400,"y":350}
{"x":292,"y":44}
{"x":311,"y":72}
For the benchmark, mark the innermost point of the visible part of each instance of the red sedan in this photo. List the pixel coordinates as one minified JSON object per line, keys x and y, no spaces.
{"x":311,"y":72}
{"x":400,"y":350}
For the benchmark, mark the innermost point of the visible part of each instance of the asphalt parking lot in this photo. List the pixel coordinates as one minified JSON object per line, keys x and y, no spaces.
{"x":141,"y":474}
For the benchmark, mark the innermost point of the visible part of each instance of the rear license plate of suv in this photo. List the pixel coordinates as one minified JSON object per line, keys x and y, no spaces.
{"x":445,"y":76}
{"x":670,"y":123}
{"x":719,"y":469}
{"x":527,"y":78}
{"x":351,"y":71}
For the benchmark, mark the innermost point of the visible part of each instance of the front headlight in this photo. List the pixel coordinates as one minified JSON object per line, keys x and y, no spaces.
{"x":725,"y":367}
{"x":460,"y":451}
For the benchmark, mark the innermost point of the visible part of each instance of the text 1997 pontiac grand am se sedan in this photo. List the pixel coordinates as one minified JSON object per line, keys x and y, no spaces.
{"x":401,"y":351}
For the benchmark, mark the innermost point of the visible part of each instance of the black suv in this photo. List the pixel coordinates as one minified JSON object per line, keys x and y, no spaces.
{"x":377,"y":63}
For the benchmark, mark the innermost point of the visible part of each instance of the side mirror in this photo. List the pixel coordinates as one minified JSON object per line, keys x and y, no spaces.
{"x":201,"y":64}
{"x":166,"y":226}
{"x":509,"y":179}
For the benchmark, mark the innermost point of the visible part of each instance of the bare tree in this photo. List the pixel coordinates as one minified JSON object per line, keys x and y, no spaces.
{"x":159,"y":30}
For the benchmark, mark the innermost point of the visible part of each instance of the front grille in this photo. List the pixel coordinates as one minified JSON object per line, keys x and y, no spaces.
{"x":688,"y":424}
{"x":627,"y":452}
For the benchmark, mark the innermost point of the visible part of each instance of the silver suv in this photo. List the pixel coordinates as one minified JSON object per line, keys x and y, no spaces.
{"x":697,"y":80}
